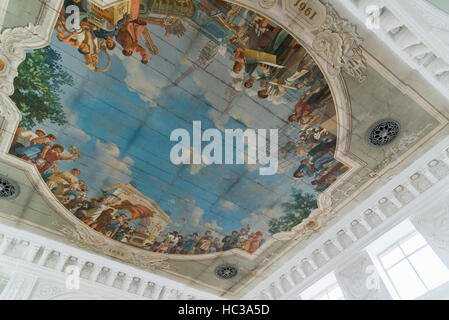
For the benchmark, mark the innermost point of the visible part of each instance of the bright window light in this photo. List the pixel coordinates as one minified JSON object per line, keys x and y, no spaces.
{"x":3,"y":282}
{"x":412,"y":266}
{"x":326,"y":288}
{"x":331,"y":293}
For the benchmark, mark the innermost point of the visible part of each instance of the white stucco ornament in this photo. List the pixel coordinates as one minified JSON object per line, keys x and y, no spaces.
{"x":338,"y":41}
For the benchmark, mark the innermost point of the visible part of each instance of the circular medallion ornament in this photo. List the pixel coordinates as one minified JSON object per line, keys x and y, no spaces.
{"x":226,"y":271}
{"x":8,"y":188}
{"x":383,"y":132}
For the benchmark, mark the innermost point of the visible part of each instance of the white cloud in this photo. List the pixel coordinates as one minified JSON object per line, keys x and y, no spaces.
{"x":213,"y":226}
{"x":139,"y":79}
{"x":191,"y":211}
{"x":73,"y":131}
{"x":187,"y":154}
{"x":77,"y":134}
{"x":239,"y":112}
{"x":196,"y":216}
{"x":277,"y":101}
{"x":228,"y":205}
{"x":111,"y":168}
{"x":251,"y":92}
{"x":218,"y":118}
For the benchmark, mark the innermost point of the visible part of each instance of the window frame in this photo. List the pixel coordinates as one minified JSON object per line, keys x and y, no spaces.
{"x":326,"y":292}
{"x":320,"y":287}
{"x":397,"y":244}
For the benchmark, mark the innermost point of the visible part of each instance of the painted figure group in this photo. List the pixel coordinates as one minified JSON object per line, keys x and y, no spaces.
{"x":109,"y":214}
{"x":40,"y":148}
{"x":316,"y":149}
{"x":268,"y":57}
{"x":91,"y":39}
{"x":197,"y":244}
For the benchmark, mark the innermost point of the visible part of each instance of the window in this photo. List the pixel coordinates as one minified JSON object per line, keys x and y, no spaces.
{"x":326,"y":288}
{"x":3,"y":282}
{"x":331,"y":293}
{"x":412,"y":266}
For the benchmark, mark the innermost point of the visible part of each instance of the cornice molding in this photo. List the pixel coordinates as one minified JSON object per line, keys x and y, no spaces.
{"x":412,"y":29}
{"x":43,"y":257}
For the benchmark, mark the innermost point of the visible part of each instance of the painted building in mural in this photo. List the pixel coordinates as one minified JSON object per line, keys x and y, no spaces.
{"x":150,"y":71}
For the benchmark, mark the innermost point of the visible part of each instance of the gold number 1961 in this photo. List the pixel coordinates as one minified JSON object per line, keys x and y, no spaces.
{"x":302,"y":7}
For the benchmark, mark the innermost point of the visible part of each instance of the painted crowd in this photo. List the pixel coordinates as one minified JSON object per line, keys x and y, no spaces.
{"x":201,"y":244}
{"x":109,"y":214}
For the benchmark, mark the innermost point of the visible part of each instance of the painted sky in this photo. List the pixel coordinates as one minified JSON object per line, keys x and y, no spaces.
{"x":121,"y":121}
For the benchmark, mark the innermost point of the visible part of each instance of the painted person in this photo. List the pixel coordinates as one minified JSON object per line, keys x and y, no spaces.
{"x":112,"y":229}
{"x":79,"y":192}
{"x":189,"y":244}
{"x":163,"y":247}
{"x":231,"y":241}
{"x":260,"y":35}
{"x":255,"y":242}
{"x":62,"y":179}
{"x":96,"y":206}
{"x":179,"y":243}
{"x":103,"y":220}
{"x":303,"y":169}
{"x":289,"y":147}
{"x":257,"y":71}
{"x":108,"y":35}
{"x":172,"y":236}
{"x":23,"y":138}
{"x":50,"y":155}
{"x":79,"y":213}
{"x":238,"y":69}
{"x":204,"y":242}
{"x":326,"y":145}
{"x":303,"y":112}
{"x":242,"y":236}
{"x":76,"y":200}
{"x":215,"y":246}
{"x":292,"y":57}
{"x":90,"y":49}
{"x":121,"y":232}
{"x":36,"y":148}
{"x":320,"y":96}
{"x":227,"y":243}
{"x":322,"y":161}
{"x":330,"y":175}
{"x":128,"y":37}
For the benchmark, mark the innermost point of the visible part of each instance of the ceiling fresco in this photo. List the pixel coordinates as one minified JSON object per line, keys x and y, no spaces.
{"x":100,"y":102}
{"x":116,"y":130}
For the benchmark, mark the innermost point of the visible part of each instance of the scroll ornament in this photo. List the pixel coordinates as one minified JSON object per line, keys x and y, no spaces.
{"x":339,"y":44}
